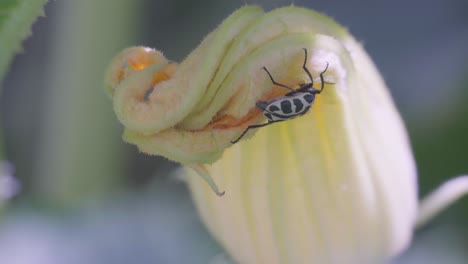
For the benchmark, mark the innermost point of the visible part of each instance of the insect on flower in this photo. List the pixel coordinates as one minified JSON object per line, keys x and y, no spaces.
{"x":293,"y":104}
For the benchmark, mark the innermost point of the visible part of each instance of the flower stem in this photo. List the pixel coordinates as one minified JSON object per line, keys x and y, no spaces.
{"x":80,"y":151}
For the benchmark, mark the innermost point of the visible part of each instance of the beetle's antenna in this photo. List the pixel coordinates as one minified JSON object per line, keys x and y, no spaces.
{"x":321,"y":78}
{"x":305,"y":68}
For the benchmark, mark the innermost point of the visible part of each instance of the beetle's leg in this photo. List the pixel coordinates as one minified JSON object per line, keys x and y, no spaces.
{"x":251,"y":127}
{"x":275,"y":83}
{"x":321,"y":79}
{"x":305,"y":68}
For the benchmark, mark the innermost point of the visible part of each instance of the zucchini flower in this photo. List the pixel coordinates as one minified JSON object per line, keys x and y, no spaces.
{"x":336,"y":184}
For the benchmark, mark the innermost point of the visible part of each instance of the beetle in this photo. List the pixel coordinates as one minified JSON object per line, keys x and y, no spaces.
{"x":293,"y":104}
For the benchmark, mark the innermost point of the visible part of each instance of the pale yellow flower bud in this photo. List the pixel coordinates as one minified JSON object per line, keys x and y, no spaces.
{"x":336,"y":185}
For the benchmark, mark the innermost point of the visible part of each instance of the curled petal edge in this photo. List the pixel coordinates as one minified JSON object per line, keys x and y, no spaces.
{"x":191,"y":112}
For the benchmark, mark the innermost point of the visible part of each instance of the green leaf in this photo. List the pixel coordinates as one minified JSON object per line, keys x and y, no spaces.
{"x":16,"y":18}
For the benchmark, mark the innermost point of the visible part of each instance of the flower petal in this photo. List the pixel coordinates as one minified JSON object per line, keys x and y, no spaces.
{"x":337,"y":185}
{"x":327,"y":180}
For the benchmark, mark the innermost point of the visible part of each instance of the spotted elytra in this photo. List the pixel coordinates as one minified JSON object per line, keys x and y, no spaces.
{"x":291,"y":105}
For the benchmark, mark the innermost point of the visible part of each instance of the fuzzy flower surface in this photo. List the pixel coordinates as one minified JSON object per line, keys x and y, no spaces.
{"x":336,"y":185}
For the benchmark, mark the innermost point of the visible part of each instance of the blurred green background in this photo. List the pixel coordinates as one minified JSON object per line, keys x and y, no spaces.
{"x":86,"y":197}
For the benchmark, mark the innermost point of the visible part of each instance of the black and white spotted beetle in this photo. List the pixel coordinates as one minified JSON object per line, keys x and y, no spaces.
{"x":291,"y":105}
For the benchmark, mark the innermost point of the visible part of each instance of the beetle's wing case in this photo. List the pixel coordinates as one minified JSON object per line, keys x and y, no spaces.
{"x":275,"y":111}
{"x":287,"y":107}
{"x":303,"y":102}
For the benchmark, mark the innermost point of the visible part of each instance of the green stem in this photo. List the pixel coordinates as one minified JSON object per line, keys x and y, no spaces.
{"x":80,"y":143}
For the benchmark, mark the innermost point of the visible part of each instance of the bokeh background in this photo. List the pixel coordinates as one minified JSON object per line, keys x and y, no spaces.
{"x":87,"y":197}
